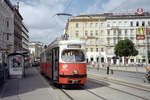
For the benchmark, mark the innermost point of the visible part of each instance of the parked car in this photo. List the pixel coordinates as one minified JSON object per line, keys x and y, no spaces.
{"x":36,"y":63}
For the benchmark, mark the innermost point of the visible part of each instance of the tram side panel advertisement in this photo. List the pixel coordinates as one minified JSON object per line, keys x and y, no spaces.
{"x":16,"y":64}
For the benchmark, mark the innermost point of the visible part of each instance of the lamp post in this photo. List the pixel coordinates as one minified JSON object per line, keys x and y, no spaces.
{"x":146,"y":38}
{"x":66,"y":28}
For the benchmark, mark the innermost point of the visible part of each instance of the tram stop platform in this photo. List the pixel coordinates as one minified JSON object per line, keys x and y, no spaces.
{"x":124,"y":76}
{"x":32,"y":87}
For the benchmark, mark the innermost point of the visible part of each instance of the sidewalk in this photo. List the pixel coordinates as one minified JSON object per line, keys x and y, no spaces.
{"x":32,"y":87}
{"x":122,"y":76}
{"x":123,"y":68}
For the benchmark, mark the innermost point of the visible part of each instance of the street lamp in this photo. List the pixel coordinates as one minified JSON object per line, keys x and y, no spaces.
{"x":65,"y":14}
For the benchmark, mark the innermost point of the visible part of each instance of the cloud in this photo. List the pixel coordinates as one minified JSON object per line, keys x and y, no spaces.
{"x":101,"y":6}
{"x":39,"y":16}
{"x":125,"y":5}
{"x":94,"y":8}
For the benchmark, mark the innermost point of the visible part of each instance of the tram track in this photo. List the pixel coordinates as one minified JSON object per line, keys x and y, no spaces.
{"x":87,"y":90}
{"x":96,"y":95}
{"x":70,"y":97}
{"x":122,"y":91}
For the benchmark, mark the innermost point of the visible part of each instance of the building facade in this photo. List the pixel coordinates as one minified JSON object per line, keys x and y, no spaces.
{"x":17,"y":30}
{"x":11,"y":27}
{"x":35,"y":49}
{"x":6,"y":25}
{"x":101,"y":32}
{"x":124,"y":26}
{"x":25,"y":38}
{"x":89,"y":29}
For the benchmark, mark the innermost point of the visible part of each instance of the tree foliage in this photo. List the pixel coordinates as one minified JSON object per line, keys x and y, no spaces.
{"x":125,"y":48}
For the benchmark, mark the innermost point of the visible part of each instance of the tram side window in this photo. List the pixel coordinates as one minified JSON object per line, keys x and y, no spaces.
{"x":48,"y":56}
{"x":73,"y":56}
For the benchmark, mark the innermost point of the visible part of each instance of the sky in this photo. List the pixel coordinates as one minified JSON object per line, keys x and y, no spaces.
{"x":43,"y":24}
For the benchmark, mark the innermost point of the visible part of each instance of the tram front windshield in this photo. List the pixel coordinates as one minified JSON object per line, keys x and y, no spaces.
{"x":73,"y":56}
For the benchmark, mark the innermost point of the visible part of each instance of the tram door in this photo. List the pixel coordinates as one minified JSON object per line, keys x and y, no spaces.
{"x":55,"y":63}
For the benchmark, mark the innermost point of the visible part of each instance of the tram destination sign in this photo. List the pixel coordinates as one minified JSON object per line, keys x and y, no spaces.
{"x":74,"y":46}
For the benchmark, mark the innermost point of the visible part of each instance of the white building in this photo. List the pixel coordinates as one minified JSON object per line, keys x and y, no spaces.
{"x":124,"y":26}
{"x":35,"y":49}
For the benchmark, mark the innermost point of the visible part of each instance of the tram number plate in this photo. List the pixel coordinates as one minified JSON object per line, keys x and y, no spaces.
{"x":75,"y":81}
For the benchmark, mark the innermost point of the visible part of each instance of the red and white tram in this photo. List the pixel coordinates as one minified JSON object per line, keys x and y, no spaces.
{"x":63,"y":61}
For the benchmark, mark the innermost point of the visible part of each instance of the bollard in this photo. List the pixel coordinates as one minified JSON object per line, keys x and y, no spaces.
{"x":111,"y":71}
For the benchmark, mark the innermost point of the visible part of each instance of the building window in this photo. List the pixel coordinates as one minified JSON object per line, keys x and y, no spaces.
{"x":108,"y":32}
{"x":119,"y":32}
{"x":86,"y":33}
{"x":131,"y":31}
{"x":86,"y":25}
{"x":137,"y":24}
{"x":86,"y":49}
{"x":7,"y":36}
{"x":91,"y":49}
{"x":114,"y":31}
{"x":7,"y":24}
{"x":97,"y":41}
{"x":143,"y":23}
{"x":77,"y":33}
{"x":114,"y":23}
{"x":119,"y":23}
{"x":77,"y":25}
{"x":108,"y":40}
{"x":126,"y":32}
{"x":96,"y":49}
{"x":91,"y":25}
{"x":108,"y":24}
{"x":131,"y":24}
{"x":91,"y":33}
{"x":96,"y":32}
{"x":148,"y":23}
{"x":102,"y":49}
{"x":91,"y":41}
{"x":96,"y":25}
{"x":114,"y":41}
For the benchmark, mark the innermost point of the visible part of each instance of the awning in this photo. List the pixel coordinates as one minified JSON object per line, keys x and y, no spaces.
{"x":132,"y":57}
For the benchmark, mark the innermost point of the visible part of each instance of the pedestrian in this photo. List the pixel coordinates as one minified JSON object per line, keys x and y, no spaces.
{"x":147,"y":68}
{"x":107,"y":66}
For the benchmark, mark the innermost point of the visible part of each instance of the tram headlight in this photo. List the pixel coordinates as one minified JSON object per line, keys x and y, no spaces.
{"x":75,"y":72}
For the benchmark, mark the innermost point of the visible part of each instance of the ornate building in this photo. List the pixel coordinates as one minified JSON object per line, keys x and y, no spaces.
{"x":101,"y":32}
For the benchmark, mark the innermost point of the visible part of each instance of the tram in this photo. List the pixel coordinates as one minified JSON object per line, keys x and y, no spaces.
{"x":63,"y":61}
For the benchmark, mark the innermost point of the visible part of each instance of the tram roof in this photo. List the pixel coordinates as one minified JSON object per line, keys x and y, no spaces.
{"x":58,"y":42}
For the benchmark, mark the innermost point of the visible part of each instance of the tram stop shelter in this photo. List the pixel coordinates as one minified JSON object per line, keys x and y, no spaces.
{"x":16,"y":65}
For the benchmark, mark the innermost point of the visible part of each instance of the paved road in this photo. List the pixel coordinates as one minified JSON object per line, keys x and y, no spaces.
{"x":36,"y":87}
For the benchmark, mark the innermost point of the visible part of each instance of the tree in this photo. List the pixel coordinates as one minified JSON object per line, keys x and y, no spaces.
{"x":125,"y":48}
